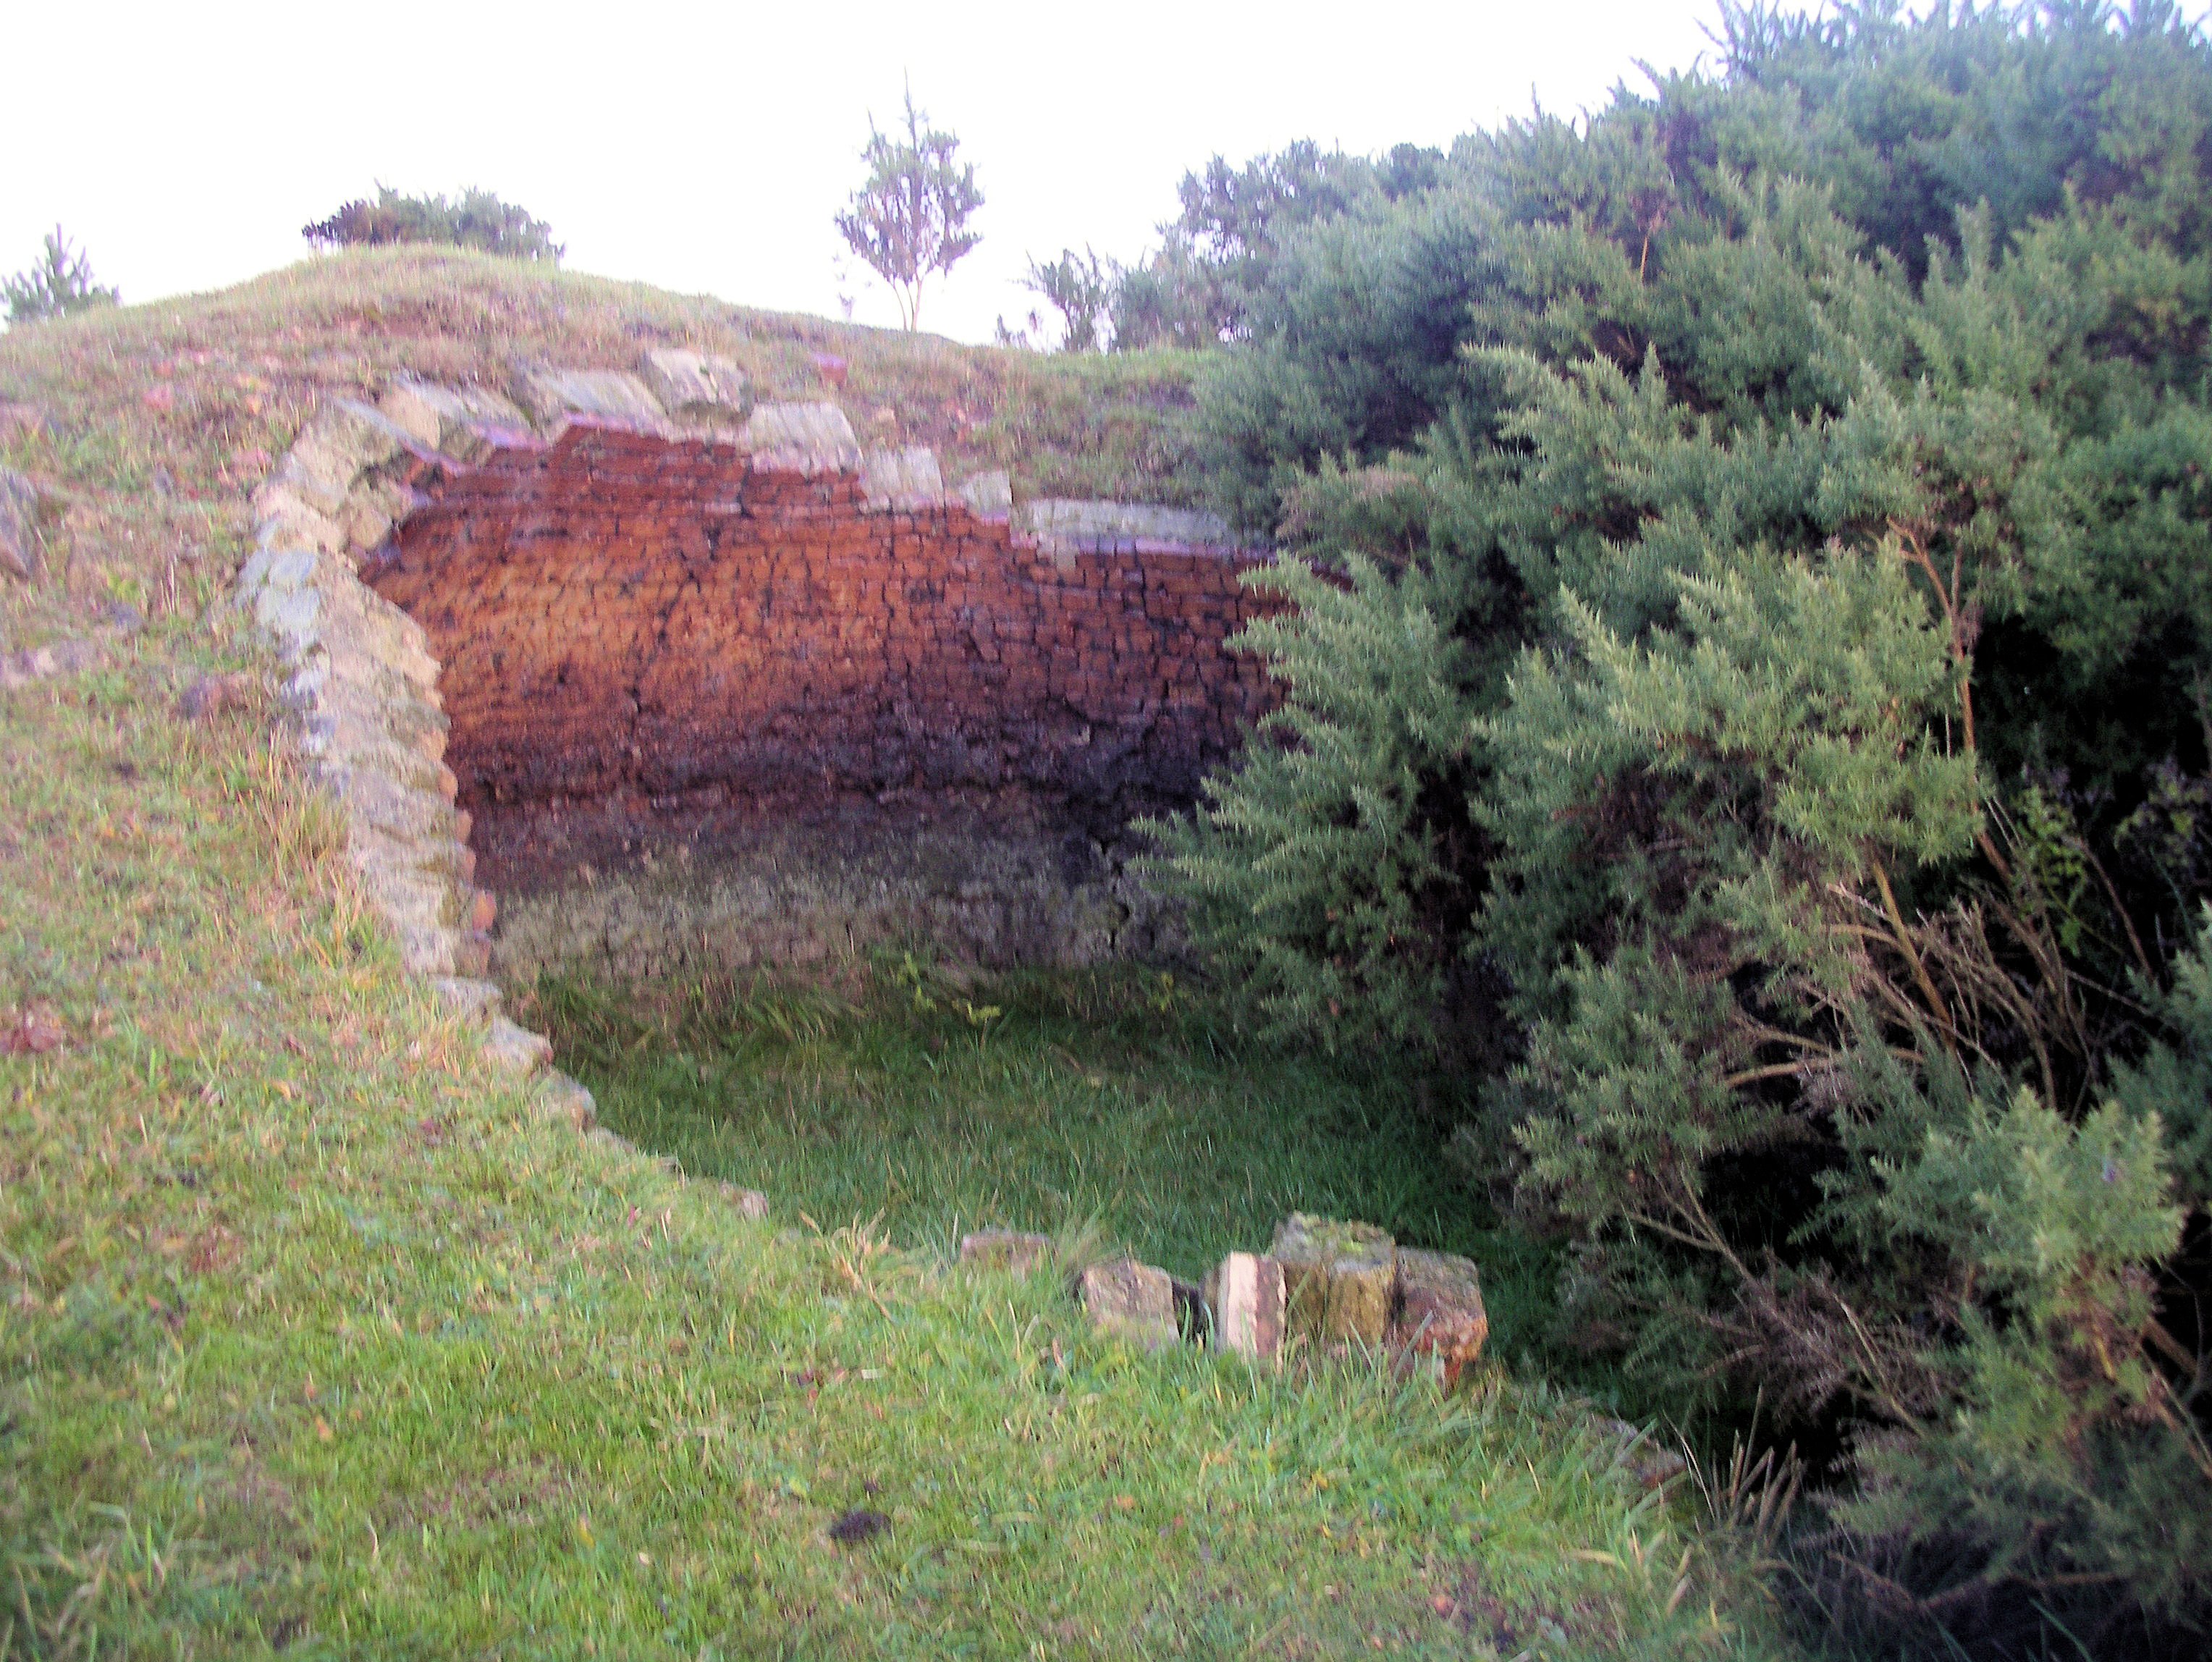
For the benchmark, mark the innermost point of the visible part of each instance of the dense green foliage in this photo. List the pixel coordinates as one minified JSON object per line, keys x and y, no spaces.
{"x":1207,"y":280}
{"x":60,"y":283}
{"x":1746,"y":707}
{"x":478,"y":220}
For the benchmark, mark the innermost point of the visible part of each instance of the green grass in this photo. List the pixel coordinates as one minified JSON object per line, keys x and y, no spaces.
{"x":1107,"y":1103}
{"x":313,"y":1338}
{"x":313,"y":1333}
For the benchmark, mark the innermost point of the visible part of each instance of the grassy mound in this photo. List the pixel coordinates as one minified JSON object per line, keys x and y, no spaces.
{"x":313,"y":1339}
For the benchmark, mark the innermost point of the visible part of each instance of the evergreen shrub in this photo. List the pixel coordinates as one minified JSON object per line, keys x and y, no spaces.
{"x":1746,"y":708}
{"x":478,"y":220}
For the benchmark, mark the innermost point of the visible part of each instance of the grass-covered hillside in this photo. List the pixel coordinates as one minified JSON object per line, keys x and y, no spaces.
{"x":314,"y":1339}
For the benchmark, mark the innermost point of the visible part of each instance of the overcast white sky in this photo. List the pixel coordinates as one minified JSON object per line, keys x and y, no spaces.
{"x":704,"y":147}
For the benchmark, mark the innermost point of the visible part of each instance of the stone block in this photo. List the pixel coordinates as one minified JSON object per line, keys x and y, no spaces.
{"x":393,"y":738}
{"x":345,"y":439}
{"x":748,"y":1204}
{"x":1007,"y":1249}
{"x":471,"y":1000}
{"x":1133,"y":1301}
{"x":429,"y":949}
{"x":293,"y":617}
{"x":802,"y":438}
{"x":466,"y":422}
{"x":19,"y":524}
{"x":906,"y":479}
{"x":1339,"y":1278}
{"x":289,"y":519}
{"x":376,"y":800}
{"x":605,"y":394}
{"x":366,"y":520}
{"x":411,"y":883}
{"x":695,"y":384}
{"x":339,"y":740}
{"x":566,"y":1101}
{"x":1245,"y":1296}
{"x":1065,"y":525}
{"x":989,"y":496}
{"x":1439,"y":1309}
{"x":367,"y":624}
{"x":282,"y":569}
{"x":509,"y":1049}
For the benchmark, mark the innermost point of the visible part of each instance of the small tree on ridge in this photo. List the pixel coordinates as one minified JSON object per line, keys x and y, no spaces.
{"x":59,"y":284}
{"x":910,"y":220}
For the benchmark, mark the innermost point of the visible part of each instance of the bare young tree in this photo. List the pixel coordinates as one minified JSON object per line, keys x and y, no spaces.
{"x":909,"y":221}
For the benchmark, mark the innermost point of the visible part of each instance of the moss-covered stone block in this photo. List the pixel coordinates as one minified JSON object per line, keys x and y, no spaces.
{"x":1008,"y":1250}
{"x":1133,"y":1301}
{"x":1339,"y":1278}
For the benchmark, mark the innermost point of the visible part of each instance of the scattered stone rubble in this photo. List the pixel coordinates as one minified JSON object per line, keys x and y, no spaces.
{"x":1327,"y":1282}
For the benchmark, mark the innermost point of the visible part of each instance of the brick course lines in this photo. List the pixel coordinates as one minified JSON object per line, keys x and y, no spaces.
{"x":623,"y":613}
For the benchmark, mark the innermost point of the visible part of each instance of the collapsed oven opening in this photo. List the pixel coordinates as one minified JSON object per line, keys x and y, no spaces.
{"x":724,"y":696}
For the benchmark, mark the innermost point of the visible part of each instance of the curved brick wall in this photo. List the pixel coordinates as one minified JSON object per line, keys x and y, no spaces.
{"x":626,"y":612}
{"x":723,"y":689}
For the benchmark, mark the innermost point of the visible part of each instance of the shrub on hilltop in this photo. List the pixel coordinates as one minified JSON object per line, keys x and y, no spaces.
{"x":479,"y":220}
{"x":1750,"y":706}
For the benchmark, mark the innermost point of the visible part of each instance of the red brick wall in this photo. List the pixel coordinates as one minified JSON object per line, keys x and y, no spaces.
{"x":618,"y":613}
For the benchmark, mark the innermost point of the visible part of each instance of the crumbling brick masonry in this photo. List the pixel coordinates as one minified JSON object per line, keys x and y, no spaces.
{"x":724,"y":689}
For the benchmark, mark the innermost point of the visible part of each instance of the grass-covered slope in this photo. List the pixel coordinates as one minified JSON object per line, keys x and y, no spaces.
{"x":313,"y":1339}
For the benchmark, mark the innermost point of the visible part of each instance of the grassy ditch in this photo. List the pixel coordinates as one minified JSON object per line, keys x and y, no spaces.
{"x":1109,"y":1105}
